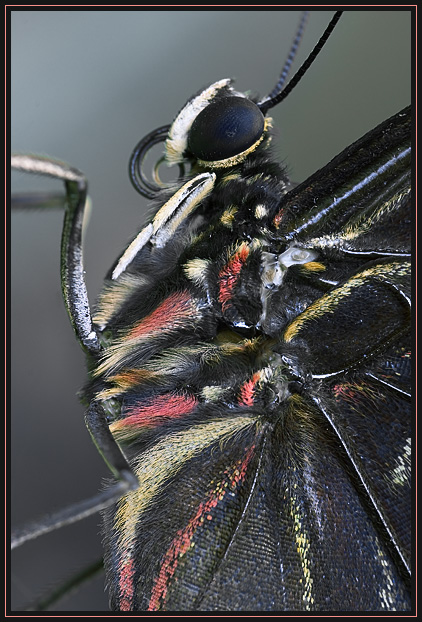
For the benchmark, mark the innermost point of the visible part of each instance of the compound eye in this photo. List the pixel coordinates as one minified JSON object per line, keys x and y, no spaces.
{"x":225,"y":128}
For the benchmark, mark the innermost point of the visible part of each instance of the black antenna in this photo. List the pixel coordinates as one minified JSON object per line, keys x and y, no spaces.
{"x":270,"y":101}
{"x":291,"y":55}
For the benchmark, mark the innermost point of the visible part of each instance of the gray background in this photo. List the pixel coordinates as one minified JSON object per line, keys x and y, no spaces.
{"x":86,"y":86}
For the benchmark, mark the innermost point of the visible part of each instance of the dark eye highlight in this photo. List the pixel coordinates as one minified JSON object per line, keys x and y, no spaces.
{"x":225,"y":128}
